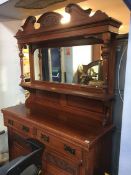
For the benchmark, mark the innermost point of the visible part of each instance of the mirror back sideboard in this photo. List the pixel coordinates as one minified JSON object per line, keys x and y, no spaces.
{"x":74,"y":121}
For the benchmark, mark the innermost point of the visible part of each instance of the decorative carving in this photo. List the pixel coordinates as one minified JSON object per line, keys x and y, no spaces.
{"x":74,"y":8}
{"x":79,"y":15}
{"x":106,"y":55}
{"x":49,"y":19}
{"x":28,"y":25}
{"x":52,"y":21}
{"x":60,"y":163}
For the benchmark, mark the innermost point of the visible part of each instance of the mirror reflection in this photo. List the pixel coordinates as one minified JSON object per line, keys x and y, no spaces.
{"x":72,"y":65}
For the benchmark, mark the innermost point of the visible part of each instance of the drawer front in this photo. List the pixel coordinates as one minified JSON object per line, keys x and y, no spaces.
{"x":8,"y":122}
{"x":21,"y":127}
{"x":69,"y":149}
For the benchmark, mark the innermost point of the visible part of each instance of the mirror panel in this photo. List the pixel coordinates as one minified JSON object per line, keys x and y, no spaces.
{"x":71,"y":65}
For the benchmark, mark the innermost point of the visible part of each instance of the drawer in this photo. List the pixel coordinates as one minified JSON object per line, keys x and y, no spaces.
{"x":8,"y":122}
{"x":69,"y":149}
{"x":21,"y":127}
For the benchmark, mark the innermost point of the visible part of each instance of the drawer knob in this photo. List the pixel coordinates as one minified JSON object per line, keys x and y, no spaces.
{"x":25,"y":129}
{"x":44,"y":138}
{"x":11,"y":122}
{"x":69,"y":149}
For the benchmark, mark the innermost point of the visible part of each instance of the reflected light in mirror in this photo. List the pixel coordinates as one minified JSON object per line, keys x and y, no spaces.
{"x":79,"y":53}
{"x":66,"y":18}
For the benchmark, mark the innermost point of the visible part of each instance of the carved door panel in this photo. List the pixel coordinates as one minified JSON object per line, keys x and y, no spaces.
{"x":58,"y":165}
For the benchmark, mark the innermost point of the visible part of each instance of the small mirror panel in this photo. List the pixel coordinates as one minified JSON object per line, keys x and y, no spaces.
{"x":26,"y":64}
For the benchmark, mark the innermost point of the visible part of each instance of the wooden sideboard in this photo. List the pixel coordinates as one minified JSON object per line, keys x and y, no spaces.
{"x":70,"y":149}
{"x":73,"y":121}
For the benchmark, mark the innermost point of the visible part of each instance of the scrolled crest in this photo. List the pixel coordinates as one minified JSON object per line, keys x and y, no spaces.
{"x":52,"y":21}
{"x":49,"y":19}
{"x":29,"y":23}
{"x":28,"y":26}
{"x":71,"y":8}
{"x":78,"y":14}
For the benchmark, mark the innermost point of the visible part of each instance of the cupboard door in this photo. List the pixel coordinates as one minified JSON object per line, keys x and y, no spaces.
{"x":18,"y":150}
{"x":59,"y":165}
{"x":17,"y":145}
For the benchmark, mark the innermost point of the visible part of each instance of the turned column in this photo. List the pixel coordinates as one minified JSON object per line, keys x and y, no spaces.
{"x":105,"y":48}
{"x":21,"y":55}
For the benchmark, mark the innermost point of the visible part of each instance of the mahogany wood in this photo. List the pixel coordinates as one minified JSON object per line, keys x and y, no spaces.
{"x":66,"y":143}
{"x":73,"y":121}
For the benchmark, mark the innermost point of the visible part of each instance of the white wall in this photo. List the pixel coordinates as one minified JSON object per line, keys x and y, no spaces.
{"x":125,"y":151}
{"x":10,"y":92}
{"x":68,"y":64}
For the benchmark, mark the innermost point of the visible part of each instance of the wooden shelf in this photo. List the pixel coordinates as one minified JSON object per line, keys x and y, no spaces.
{"x":79,"y":93}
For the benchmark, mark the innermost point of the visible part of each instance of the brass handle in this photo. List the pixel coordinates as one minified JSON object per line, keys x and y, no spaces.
{"x":25,"y":129}
{"x":11,"y":122}
{"x":69,"y":149}
{"x":45,"y":138}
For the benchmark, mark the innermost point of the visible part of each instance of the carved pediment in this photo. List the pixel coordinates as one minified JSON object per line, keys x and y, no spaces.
{"x":51,"y":21}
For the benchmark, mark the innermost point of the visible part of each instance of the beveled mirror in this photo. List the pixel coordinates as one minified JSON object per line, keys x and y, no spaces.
{"x":70,"y":65}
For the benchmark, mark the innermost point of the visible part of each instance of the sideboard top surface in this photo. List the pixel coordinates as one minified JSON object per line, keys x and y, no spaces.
{"x":86,"y":136}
